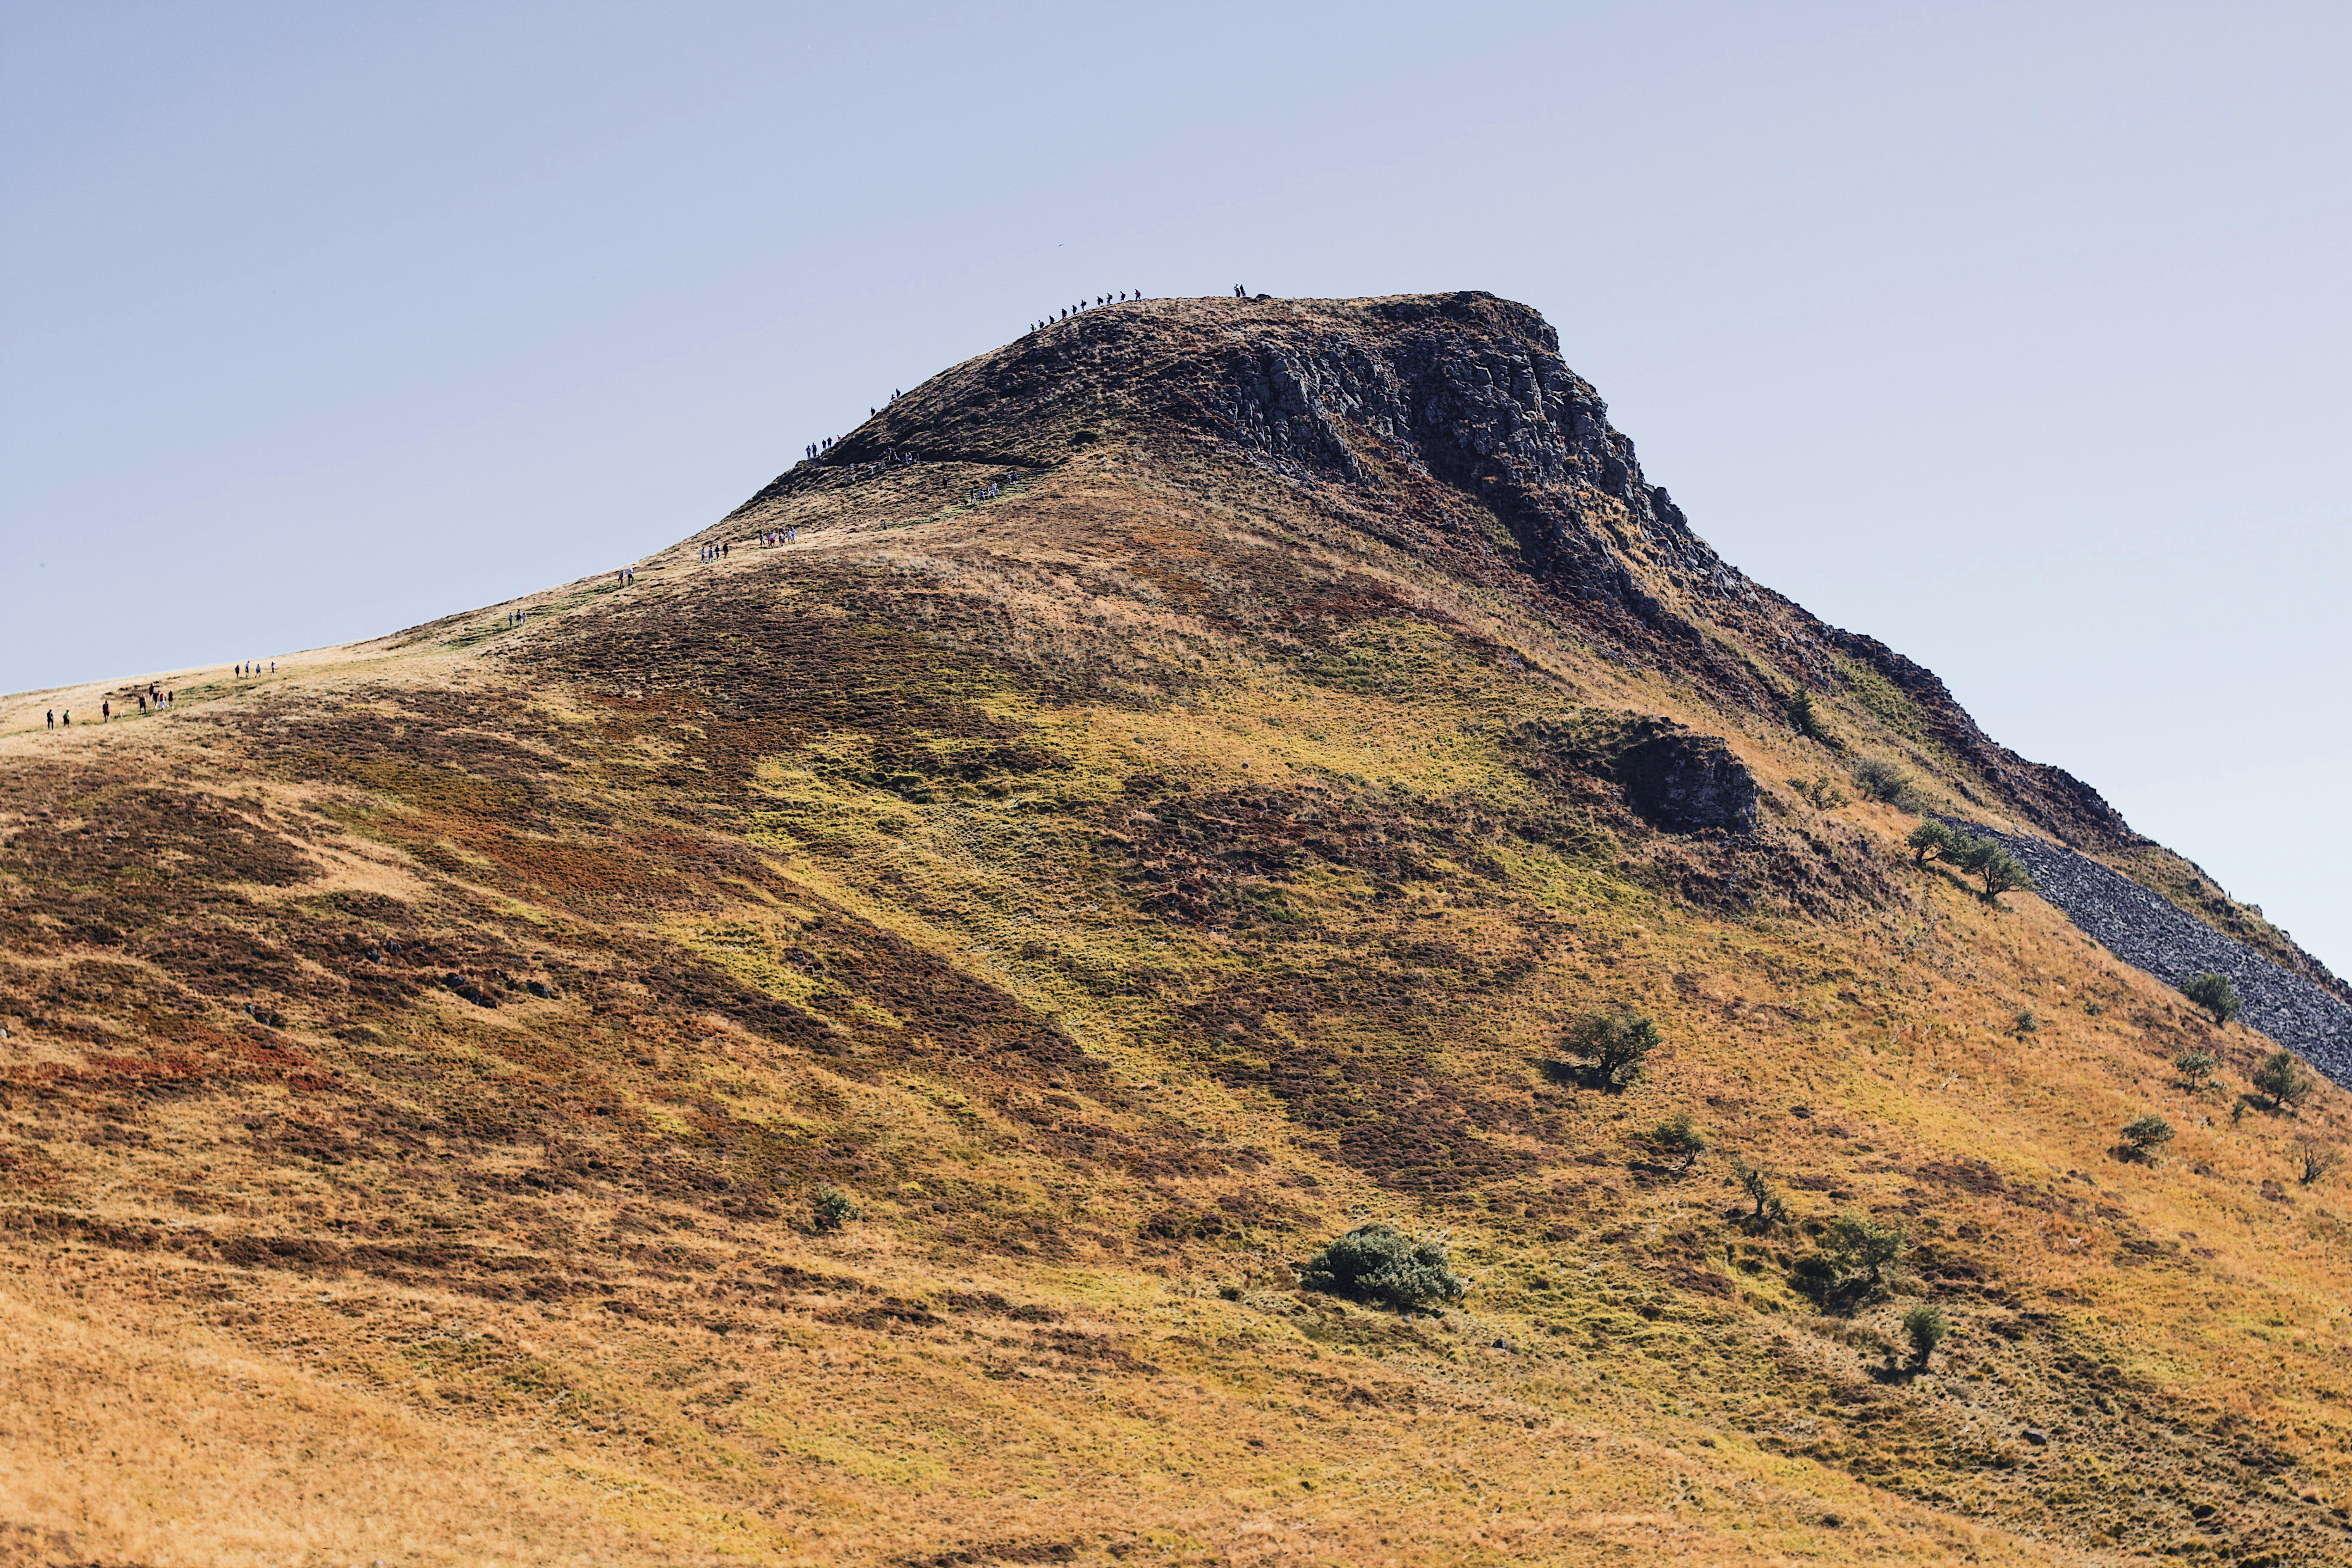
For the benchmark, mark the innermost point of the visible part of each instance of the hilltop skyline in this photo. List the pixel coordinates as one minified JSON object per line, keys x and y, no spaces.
{"x":2008,"y":336}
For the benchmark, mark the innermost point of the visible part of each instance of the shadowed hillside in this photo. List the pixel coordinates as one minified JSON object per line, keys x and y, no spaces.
{"x":845,"y":1052}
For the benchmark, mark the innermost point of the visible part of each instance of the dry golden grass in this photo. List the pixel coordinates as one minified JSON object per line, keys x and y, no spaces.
{"x":1118,"y":889}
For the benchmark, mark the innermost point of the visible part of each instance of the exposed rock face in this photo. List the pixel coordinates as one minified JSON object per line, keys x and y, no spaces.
{"x":1688,"y":783}
{"x":2147,"y":933}
{"x":1464,"y":391}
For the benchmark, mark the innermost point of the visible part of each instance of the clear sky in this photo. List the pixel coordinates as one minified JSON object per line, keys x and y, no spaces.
{"x":2015,"y":335}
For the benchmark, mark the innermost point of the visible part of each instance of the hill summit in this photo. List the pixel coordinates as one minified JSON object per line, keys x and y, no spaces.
{"x":1218,"y":938}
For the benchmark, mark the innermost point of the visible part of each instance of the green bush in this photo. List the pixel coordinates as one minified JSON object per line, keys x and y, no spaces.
{"x":2282,"y":1080}
{"x":2144,"y":1135}
{"x":1857,"y":1261}
{"x":1880,"y":780}
{"x":1613,"y":1044}
{"x":1799,"y":706}
{"x":2215,"y":993}
{"x":1677,"y":1140}
{"x":1925,"y":1328}
{"x":2196,"y":1071}
{"x":1825,"y":795}
{"x":1377,"y":1262}
{"x":1867,"y":1246}
{"x":1999,"y":870}
{"x":1932,"y":838}
{"x":832,"y":1208}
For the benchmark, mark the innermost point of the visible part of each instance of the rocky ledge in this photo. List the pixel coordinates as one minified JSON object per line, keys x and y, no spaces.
{"x":2149,"y":933}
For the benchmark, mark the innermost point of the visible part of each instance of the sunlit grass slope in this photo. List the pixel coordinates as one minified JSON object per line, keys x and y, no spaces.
{"x":1116,"y":889}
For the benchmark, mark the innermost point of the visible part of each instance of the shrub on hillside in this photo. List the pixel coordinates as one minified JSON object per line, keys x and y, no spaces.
{"x":1932,"y":839}
{"x":1678,"y":1141}
{"x":1611,"y":1046}
{"x":1997,"y":868}
{"x":2144,"y":1135}
{"x":2215,"y":993}
{"x":1377,"y":1262}
{"x":2196,"y":1071}
{"x":1857,"y":1261}
{"x":1799,"y":706}
{"x":1825,"y":795}
{"x":832,"y":1208}
{"x":1925,"y":1328}
{"x":1880,"y":780}
{"x":2282,"y":1080}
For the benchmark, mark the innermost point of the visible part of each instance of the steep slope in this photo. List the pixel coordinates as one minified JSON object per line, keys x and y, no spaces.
{"x":423,"y":1065}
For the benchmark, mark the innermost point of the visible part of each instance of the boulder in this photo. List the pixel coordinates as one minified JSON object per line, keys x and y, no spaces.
{"x":1684,"y":783}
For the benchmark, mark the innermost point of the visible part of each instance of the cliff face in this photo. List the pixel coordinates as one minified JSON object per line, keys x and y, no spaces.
{"x":843,"y":1050}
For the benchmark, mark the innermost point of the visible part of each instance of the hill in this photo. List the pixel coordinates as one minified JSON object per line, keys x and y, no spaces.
{"x":1174,"y":790}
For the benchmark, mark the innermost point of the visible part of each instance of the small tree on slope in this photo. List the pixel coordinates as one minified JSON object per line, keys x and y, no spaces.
{"x":1924,"y":1328}
{"x":2215,"y":993}
{"x":2282,"y":1080}
{"x":1613,"y":1044}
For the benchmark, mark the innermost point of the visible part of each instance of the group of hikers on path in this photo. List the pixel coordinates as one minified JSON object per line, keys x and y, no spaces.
{"x":721,"y":551}
{"x":154,"y":699}
{"x":624,"y":575}
{"x":726,"y":547}
{"x":818,"y":449}
{"x":1122,"y":297}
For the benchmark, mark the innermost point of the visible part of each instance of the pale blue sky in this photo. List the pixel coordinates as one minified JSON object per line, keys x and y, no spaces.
{"x":2015,"y":335}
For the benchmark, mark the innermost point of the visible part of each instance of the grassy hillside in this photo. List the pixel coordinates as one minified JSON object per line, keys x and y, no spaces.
{"x":423,"y":1066}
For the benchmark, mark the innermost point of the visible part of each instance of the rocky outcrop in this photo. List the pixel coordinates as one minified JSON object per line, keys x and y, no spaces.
{"x":1471,"y":390}
{"x":2149,"y":933}
{"x":1467,"y":391}
{"x":1684,"y":783}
